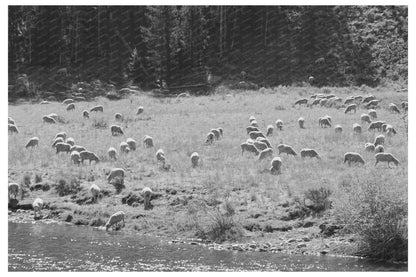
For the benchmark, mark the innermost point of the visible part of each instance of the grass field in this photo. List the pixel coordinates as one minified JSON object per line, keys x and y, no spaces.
{"x":192,"y":200}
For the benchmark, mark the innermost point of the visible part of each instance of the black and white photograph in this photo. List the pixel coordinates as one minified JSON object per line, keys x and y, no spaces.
{"x":207,"y":138}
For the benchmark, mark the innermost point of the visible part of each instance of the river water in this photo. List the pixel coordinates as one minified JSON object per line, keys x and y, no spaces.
{"x":61,"y":247}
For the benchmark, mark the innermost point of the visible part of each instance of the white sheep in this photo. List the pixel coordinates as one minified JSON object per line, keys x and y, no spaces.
{"x":116,"y":172}
{"x":251,"y":129}
{"x":324,"y":122}
{"x":195,"y":159}
{"x":54,"y":116}
{"x":351,"y":107}
{"x":210,"y":138}
{"x":249,"y":147}
{"x":390,"y":131}
{"x":368,"y":98}
{"x":315,"y":102}
{"x":379,"y":149}
{"x":147,"y":141}
{"x":116,"y":130}
{"x":98,"y":108}
{"x":44,"y":102}
{"x":48,"y":119}
{"x":85,"y":114}
{"x":356,"y":128}
{"x":393,"y":108}
{"x":365,"y":118}
{"x":95,"y":192}
{"x":372,"y":113}
{"x":358,"y":98}
{"x":287,"y":149}
{"x":260,"y":145}
{"x":147,"y":195}
{"x":88,"y":155}
{"x":279,"y":124}
{"x":251,"y":118}
{"x":37,"y":206}
{"x":386,"y":157}
{"x":376,"y":125}
{"x":11,"y":121}
{"x":265,"y":153}
{"x":323,"y":102}
{"x":372,"y":104}
{"x":70,"y":107}
{"x":115,"y":219}
{"x":68,"y":101}
{"x":353,"y":157}
{"x":123,"y":147}
{"x":264,"y":140}
{"x":77,"y":148}
{"x":118,"y":117}
{"x":70,"y":141}
{"x":306,"y":152}
{"x":32,"y":142}
{"x":405,"y":105}
{"x":112,"y":153}
{"x":379,"y":140}
{"x":338,"y":128}
{"x":301,"y":122}
{"x":216,"y":133}
{"x":301,"y":101}
{"x":139,"y":110}
{"x":131,"y":143}
{"x":256,"y":134}
{"x":14,"y":189}
{"x":254,"y":123}
{"x":75,"y":157}
{"x":160,"y":156}
{"x":60,"y":135}
{"x":63,"y":147}
{"x":276,"y":165}
{"x":221,"y":131}
{"x":369,"y":147}
{"x":13,"y":128}
{"x":349,"y":100}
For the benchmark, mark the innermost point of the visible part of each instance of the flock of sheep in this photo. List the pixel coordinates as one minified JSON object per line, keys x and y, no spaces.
{"x":257,"y":143}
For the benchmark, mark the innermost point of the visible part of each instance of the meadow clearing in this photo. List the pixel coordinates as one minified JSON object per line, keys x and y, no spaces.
{"x":230,"y":196}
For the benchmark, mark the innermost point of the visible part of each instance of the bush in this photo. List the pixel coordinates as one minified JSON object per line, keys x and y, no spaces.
{"x":319,"y":199}
{"x":38,"y":178}
{"x":99,"y":123}
{"x":64,"y":188}
{"x":26,"y":180}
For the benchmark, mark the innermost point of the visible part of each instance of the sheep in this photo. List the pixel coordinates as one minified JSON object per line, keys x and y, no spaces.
{"x":264,"y":140}
{"x":379,"y":149}
{"x":139,"y":110}
{"x":349,"y":100}
{"x":404,"y":105}
{"x":265,"y":153}
{"x":68,"y":101}
{"x":75,"y":157}
{"x":11,"y":121}
{"x":329,"y":96}
{"x":353,"y":157}
{"x":324,"y":122}
{"x":195,"y":159}
{"x":32,"y":142}
{"x":131,"y":143}
{"x":338,"y":128}
{"x":48,"y":119}
{"x":301,"y":122}
{"x":95,"y":192}
{"x":368,"y":98}
{"x":221,"y":131}
{"x":85,"y":114}
{"x":372,"y":104}
{"x":301,"y":101}
{"x":256,"y":134}
{"x":216,"y":133}
{"x":365,"y":118}
{"x":390,"y":131}
{"x":60,"y":134}
{"x":147,"y":195}
{"x":315,"y":102}
{"x":369,"y":147}
{"x":352,"y":107}
{"x":210,"y":138}
{"x":115,"y":219}
{"x":328,"y":117}
{"x":376,"y":125}
{"x":306,"y":152}
{"x":116,"y":130}
{"x":386,"y":157}
{"x":260,"y":145}
{"x":372,"y":113}
{"x":88,"y":155}
{"x":254,"y":124}
{"x":70,"y":141}
{"x":118,"y":117}
{"x":77,"y":148}
{"x":358,"y":98}
{"x":116,"y":172}
{"x":251,"y":118}
{"x":251,"y":129}
{"x":98,"y":108}
{"x":54,"y":116}
{"x":112,"y":153}
{"x":269,"y":130}
{"x":14,"y":189}
{"x":70,"y":107}
{"x":147,"y":141}
{"x":323,"y":102}
{"x":393,"y":108}
{"x":279,"y":124}
{"x":160,"y":156}
{"x":356,"y":128}
{"x":249,"y":147}
{"x":13,"y":129}
{"x":287,"y":149}
{"x":276,"y":165}
{"x":63,"y":147}
{"x":37,"y":206}
{"x":123,"y":147}
{"x":379,"y":140}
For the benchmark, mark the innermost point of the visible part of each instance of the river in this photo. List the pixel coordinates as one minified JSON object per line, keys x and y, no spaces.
{"x":61,"y":247}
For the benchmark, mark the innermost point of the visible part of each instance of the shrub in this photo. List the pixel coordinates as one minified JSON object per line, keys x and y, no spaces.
{"x":64,"y":188}
{"x":38,"y":178}
{"x":222,"y":227}
{"x":26,"y":180}
{"x":99,"y":123}
{"x":319,"y":199}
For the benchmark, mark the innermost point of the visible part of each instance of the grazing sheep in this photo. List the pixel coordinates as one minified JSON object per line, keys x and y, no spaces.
{"x":147,"y":141}
{"x":139,"y":110}
{"x":210,"y":138}
{"x":116,"y":172}
{"x":324,"y":122}
{"x":48,"y":119}
{"x":123,"y":147}
{"x":260,"y":145}
{"x":251,"y":129}
{"x":356,"y":128}
{"x":393,"y":108}
{"x":329,"y":96}
{"x":323,"y":102}
{"x":32,"y":142}
{"x":256,"y":134}
{"x":301,"y":122}
{"x":276,"y":165}
{"x":131,"y":143}
{"x":279,"y":124}
{"x":112,"y":153}
{"x":85,"y":114}
{"x":358,"y":98}
{"x":88,"y":155}
{"x":352,"y":107}
{"x":315,"y":102}
{"x":287,"y":149}
{"x":70,"y":107}
{"x":77,"y":148}
{"x":264,"y":140}
{"x":349,"y":100}
{"x":251,"y":118}
{"x":328,"y":117}
{"x":216,"y":133}
{"x":372,"y":113}
{"x":379,"y":140}
{"x":369,"y":147}
{"x":61,"y":135}
{"x":11,"y":121}
{"x":379,"y":149}
{"x":116,"y":130}
{"x":404,"y":105}
{"x":68,"y":101}
{"x":249,"y":147}
{"x":254,"y":124}
{"x":338,"y":128}
{"x":70,"y":141}
{"x":118,"y":117}
{"x":269,"y":130}
{"x":368,"y":98}
{"x":265,"y":153}
{"x":195,"y":159}
{"x":376,"y":125}
{"x":75,"y":157}
{"x":365,"y":118}
{"x":372,"y":104}
{"x":301,"y":101}
{"x":37,"y":206}
{"x":160,"y":156}
{"x":98,"y":108}
{"x":221,"y":131}
{"x":63,"y":147}
{"x":13,"y":129}
{"x":386,"y":157}
{"x":353,"y":157}
{"x":14,"y":189}
{"x":115,"y":219}
{"x":54,"y":116}
{"x":95,"y":192}
{"x":147,"y":195}
{"x":390,"y":131}
{"x":306,"y":152}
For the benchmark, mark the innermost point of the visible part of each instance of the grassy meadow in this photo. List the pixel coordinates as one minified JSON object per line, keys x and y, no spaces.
{"x":227,"y":185}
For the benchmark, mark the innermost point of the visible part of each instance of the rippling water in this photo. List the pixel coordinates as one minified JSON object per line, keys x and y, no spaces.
{"x":55,"y":247}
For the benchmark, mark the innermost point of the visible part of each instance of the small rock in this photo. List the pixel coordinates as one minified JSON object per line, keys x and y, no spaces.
{"x":193,"y":243}
{"x":307,"y":224}
{"x":324,"y":252}
{"x":252,"y":246}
